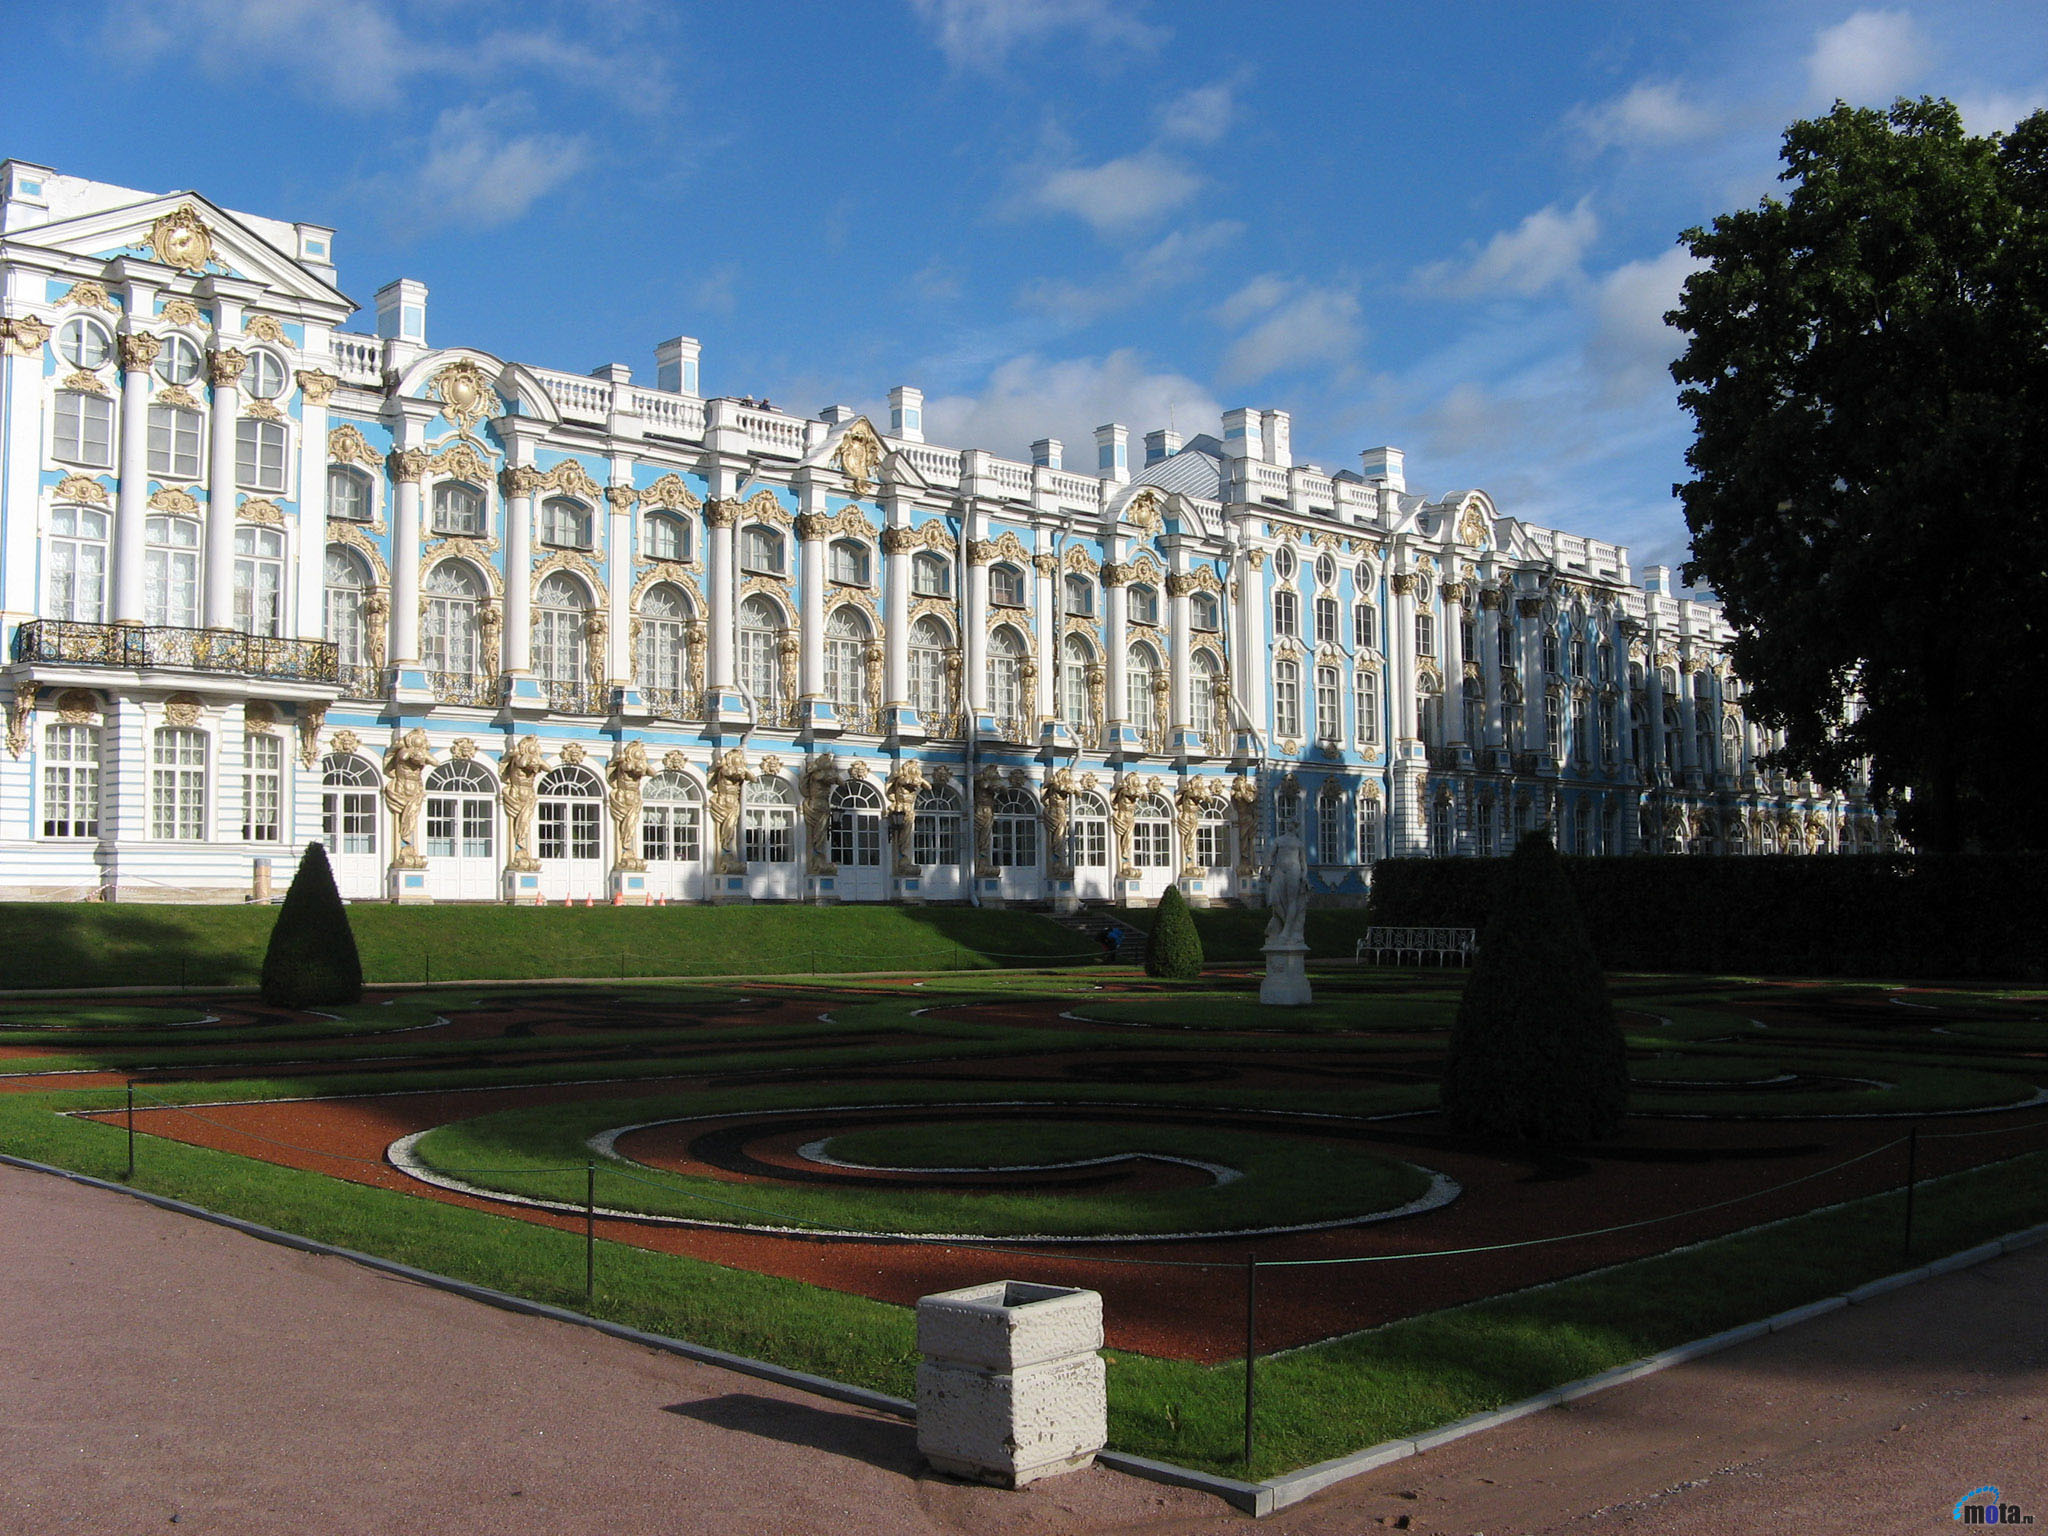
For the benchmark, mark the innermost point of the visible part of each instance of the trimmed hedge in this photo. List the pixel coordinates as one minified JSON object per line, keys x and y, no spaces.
{"x":1963,"y":914}
{"x":312,"y":961}
{"x":1175,"y":949}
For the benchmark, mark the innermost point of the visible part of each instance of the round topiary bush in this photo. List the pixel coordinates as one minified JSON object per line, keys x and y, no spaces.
{"x":1175,"y":949}
{"x":1536,"y":1053}
{"x":312,"y":957}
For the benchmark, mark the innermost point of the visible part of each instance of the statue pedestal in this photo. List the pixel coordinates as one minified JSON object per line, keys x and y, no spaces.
{"x":1286,"y":983}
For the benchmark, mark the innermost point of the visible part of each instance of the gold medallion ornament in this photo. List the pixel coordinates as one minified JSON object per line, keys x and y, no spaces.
{"x":89,"y":295}
{"x":181,"y":312}
{"x":82,"y":488}
{"x":265,"y":328}
{"x":859,"y":452}
{"x":23,"y":336}
{"x":181,"y":240}
{"x":465,"y":394}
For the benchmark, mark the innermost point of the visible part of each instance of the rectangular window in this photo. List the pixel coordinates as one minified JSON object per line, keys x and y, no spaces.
{"x":173,"y":442}
{"x":177,"y":786}
{"x":1150,"y":844}
{"x":1326,"y":621}
{"x":769,"y":837}
{"x":84,"y":429}
{"x":935,"y":840}
{"x":1425,"y":634}
{"x":348,"y":821}
{"x":1212,"y":845}
{"x":262,"y":789}
{"x":1286,"y":613}
{"x":71,"y":781}
{"x":1330,"y":820}
{"x":1365,"y":708}
{"x":1287,"y":700}
{"x":1329,"y":719}
{"x":1013,"y":842}
{"x":441,"y":814}
{"x":259,"y":454}
{"x":1364,"y":626}
{"x":1091,"y":843}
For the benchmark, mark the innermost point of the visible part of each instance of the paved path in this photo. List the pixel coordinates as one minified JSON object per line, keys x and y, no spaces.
{"x":161,"y":1370}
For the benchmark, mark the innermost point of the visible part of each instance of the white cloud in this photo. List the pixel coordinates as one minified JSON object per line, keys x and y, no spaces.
{"x":1866,"y":60}
{"x":1030,"y":397}
{"x":1630,"y":349}
{"x":981,"y":34}
{"x":1291,"y":324}
{"x":1202,"y":115}
{"x":1997,"y":111}
{"x":1121,"y":195}
{"x":471,"y":172}
{"x":1650,"y":114}
{"x":1167,"y":263}
{"x":1545,"y":248}
{"x":717,"y":292}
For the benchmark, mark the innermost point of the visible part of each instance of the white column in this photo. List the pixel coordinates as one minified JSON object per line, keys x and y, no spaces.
{"x":618,"y":573}
{"x":131,"y":497}
{"x":1534,"y":684}
{"x":896,"y":546}
{"x":1688,"y":716}
{"x":224,"y":367}
{"x":1116,"y":706}
{"x":1181,"y":727}
{"x":1454,"y":662}
{"x":407,"y":466}
{"x":1046,"y":591}
{"x":1487,"y":634}
{"x":1401,"y":655}
{"x":315,"y":387}
{"x":518,"y":484}
{"x":974,"y":640}
{"x":720,"y":515}
{"x":1253,"y":661}
{"x":1653,"y":709}
{"x":810,"y":528}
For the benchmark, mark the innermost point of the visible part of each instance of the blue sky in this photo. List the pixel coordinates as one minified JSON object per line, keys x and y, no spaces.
{"x":1449,"y":227}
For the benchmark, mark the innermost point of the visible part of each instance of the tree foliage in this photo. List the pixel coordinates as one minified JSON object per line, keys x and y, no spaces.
{"x":1536,"y":1053}
{"x":312,"y":957}
{"x":1174,"y":950}
{"x":1867,"y":368}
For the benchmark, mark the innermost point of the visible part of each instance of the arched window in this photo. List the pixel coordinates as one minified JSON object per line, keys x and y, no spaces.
{"x":1365,"y":707}
{"x":854,"y":833}
{"x":1205,"y":613}
{"x":1142,"y":675}
{"x":458,"y":508}
{"x":265,"y":377}
{"x":850,"y":564}
{"x":761,"y":653}
{"x":571,"y":813}
{"x":1287,"y":698}
{"x":1144,"y":604}
{"x":1431,"y":723}
{"x":561,"y":608}
{"x":177,"y":785}
{"x":348,"y":804}
{"x":1006,"y":676}
{"x":1204,"y":674}
{"x":1370,"y":836}
{"x":931,"y":692}
{"x":1213,"y":839}
{"x":1329,"y":714}
{"x":171,"y":572}
{"x":77,"y":551}
{"x":1671,"y":734}
{"x":667,"y":536}
{"x":1006,"y":586}
{"x":1088,"y":831}
{"x":82,"y":431}
{"x":1286,"y":611}
{"x":454,"y":592}
{"x":761,"y":550}
{"x":664,"y":658}
{"x":565,"y":523}
{"x":1332,"y":817}
{"x":71,"y":781}
{"x":930,"y":575}
{"x":1152,"y":834}
{"x":846,"y":644}
{"x":935,"y":840}
{"x":1080,"y":595}
{"x":1013,"y":838}
{"x":348,"y":494}
{"x":1076,"y":657}
{"x":768,"y":828}
{"x":174,"y":442}
{"x":341,"y":620}
{"x":259,"y":454}
{"x":461,"y":810}
{"x":1731,"y":746}
{"x":671,"y":820}
{"x":259,"y":580}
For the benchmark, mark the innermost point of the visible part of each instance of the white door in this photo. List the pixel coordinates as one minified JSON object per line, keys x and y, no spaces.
{"x":769,"y":842}
{"x":855,"y":844}
{"x":569,"y":835}
{"x":348,"y":825}
{"x":1014,"y":844}
{"x":672,"y":838}
{"x":461,"y":833}
{"x":1090,"y":844}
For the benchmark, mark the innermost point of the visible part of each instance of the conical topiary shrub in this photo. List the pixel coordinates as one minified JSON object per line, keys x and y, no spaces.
{"x":1536,"y":1054}
{"x":1175,"y":949}
{"x":312,"y":957}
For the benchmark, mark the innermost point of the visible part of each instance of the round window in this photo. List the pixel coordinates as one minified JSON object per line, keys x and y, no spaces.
{"x":1363,"y":576}
{"x":84,"y":343}
{"x":1283,"y":563}
{"x":178,"y":362}
{"x":1326,"y":570}
{"x":265,"y":378}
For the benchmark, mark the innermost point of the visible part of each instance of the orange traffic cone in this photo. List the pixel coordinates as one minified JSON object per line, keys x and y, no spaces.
{"x":567,"y":902}
{"x":588,"y":902}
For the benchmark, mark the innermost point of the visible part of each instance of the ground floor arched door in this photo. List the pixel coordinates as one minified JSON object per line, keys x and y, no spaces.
{"x":1089,"y":847}
{"x":569,"y":835}
{"x":349,"y":823}
{"x":769,"y":843}
{"x":672,"y":837}
{"x":1014,"y":845}
{"x":1152,"y":848}
{"x":854,"y":843}
{"x":461,"y":832}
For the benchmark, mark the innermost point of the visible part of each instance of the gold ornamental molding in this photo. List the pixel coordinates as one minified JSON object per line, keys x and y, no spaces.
{"x":1143,"y":510}
{"x":181,"y":312}
{"x":181,"y":239}
{"x":577,"y":565}
{"x":82,"y":488}
{"x":670,"y":574}
{"x":936,"y":608}
{"x":260,"y":717}
{"x":23,"y":336}
{"x":858,"y":454}
{"x":318,"y":387}
{"x":184,"y":709}
{"x":138,"y":351}
{"x":569,"y":478}
{"x":847,"y":522}
{"x":264,"y":328}
{"x":774,"y":588}
{"x":721,"y":512}
{"x":21,"y":710}
{"x":347,"y":445}
{"x":459,"y":461}
{"x":224,"y":366}
{"x":1083,"y":563}
{"x":262,"y":410}
{"x":930,"y":535}
{"x":477,"y":554}
{"x":467,"y":397}
{"x":672,"y":493}
{"x":260,"y":509}
{"x":341,"y":531}
{"x":622,"y":496}
{"x":88,"y":295}
{"x":175,"y":502}
{"x":178,"y":395}
{"x":765,"y":506}
{"x":78,"y":706}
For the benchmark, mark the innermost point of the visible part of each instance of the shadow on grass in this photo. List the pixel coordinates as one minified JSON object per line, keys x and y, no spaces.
{"x":87,"y":944}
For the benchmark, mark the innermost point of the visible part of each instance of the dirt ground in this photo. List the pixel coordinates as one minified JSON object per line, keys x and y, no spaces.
{"x":161,"y":1370}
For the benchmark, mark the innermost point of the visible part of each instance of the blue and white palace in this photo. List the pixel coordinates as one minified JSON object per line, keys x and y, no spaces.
{"x":500,"y":633}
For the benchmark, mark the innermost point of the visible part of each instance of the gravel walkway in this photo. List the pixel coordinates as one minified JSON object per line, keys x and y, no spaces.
{"x":162,"y":1371}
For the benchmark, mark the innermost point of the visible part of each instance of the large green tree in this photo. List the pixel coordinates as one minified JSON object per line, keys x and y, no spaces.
{"x":1867,"y":368}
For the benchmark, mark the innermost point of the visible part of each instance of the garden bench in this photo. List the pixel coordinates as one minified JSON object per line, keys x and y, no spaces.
{"x":1440,"y":946}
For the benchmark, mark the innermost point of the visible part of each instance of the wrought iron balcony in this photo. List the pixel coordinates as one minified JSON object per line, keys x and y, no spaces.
{"x":577,"y":698}
{"x":141,"y":646}
{"x":361,"y":682}
{"x":473,"y":688}
{"x":673,"y":703}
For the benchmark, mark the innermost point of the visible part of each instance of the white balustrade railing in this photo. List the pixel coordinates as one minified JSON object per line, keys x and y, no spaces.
{"x":359,"y":359}
{"x":1074,"y":490}
{"x":941,"y":466}
{"x":780,"y":435}
{"x":1012,"y":477}
{"x":669,"y":415}
{"x":577,"y":397}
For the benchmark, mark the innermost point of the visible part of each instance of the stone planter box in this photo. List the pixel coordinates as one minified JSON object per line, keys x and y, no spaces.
{"x":1011,"y":1387}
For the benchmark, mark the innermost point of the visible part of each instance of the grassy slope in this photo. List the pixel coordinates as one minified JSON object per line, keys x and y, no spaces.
{"x":54,"y":944}
{"x":1234,"y":934}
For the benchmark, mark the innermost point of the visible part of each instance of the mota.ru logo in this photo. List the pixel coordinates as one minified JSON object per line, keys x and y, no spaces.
{"x":1980,"y":1506}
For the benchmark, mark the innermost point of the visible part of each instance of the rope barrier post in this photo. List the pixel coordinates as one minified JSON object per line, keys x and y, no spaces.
{"x":130,"y":1174}
{"x":589,"y":1231}
{"x":1912,"y":1178}
{"x":1251,"y":1335}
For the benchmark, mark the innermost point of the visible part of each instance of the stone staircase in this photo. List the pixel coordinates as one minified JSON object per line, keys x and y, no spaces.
{"x":1092,"y":920}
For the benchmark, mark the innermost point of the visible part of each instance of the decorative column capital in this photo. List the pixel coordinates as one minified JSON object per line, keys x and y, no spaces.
{"x":981,"y":551}
{"x":316,"y":386}
{"x":1454,"y":592}
{"x":899,"y":541}
{"x":1489,"y":599}
{"x":23,"y":336}
{"x":139,"y":350}
{"x":1529,"y":607}
{"x":520,"y":480}
{"x":722,"y":511}
{"x":224,"y":365}
{"x":622,"y":497}
{"x":409,"y":465}
{"x":1403,"y":583}
{"x":1117,"y":574}
{"x":811,"y":527}
{"x":1045,"y":563}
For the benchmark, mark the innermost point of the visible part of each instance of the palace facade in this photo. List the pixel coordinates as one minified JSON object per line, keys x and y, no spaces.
{"x":500,"y":633}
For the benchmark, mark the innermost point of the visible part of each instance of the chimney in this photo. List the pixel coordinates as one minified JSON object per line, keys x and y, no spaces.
{"x":1382,"y":466}
{"x":1280,"y":439}
{"x":675,"y":365}
{"x":402,"y":311}
{"x":1113,"y":451}
{"x":1045,"y":453}
{"x":1243,"y":433}
{"x":613,"y":373}
{"x":23,"y":191}
{"x":1658,"y":580}
{"x":837,"y":415}
{"x":906,"y":413}
{"x":1160,"y":445}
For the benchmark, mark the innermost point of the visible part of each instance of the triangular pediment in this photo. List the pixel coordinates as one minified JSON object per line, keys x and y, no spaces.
{"x":211,"y":242}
